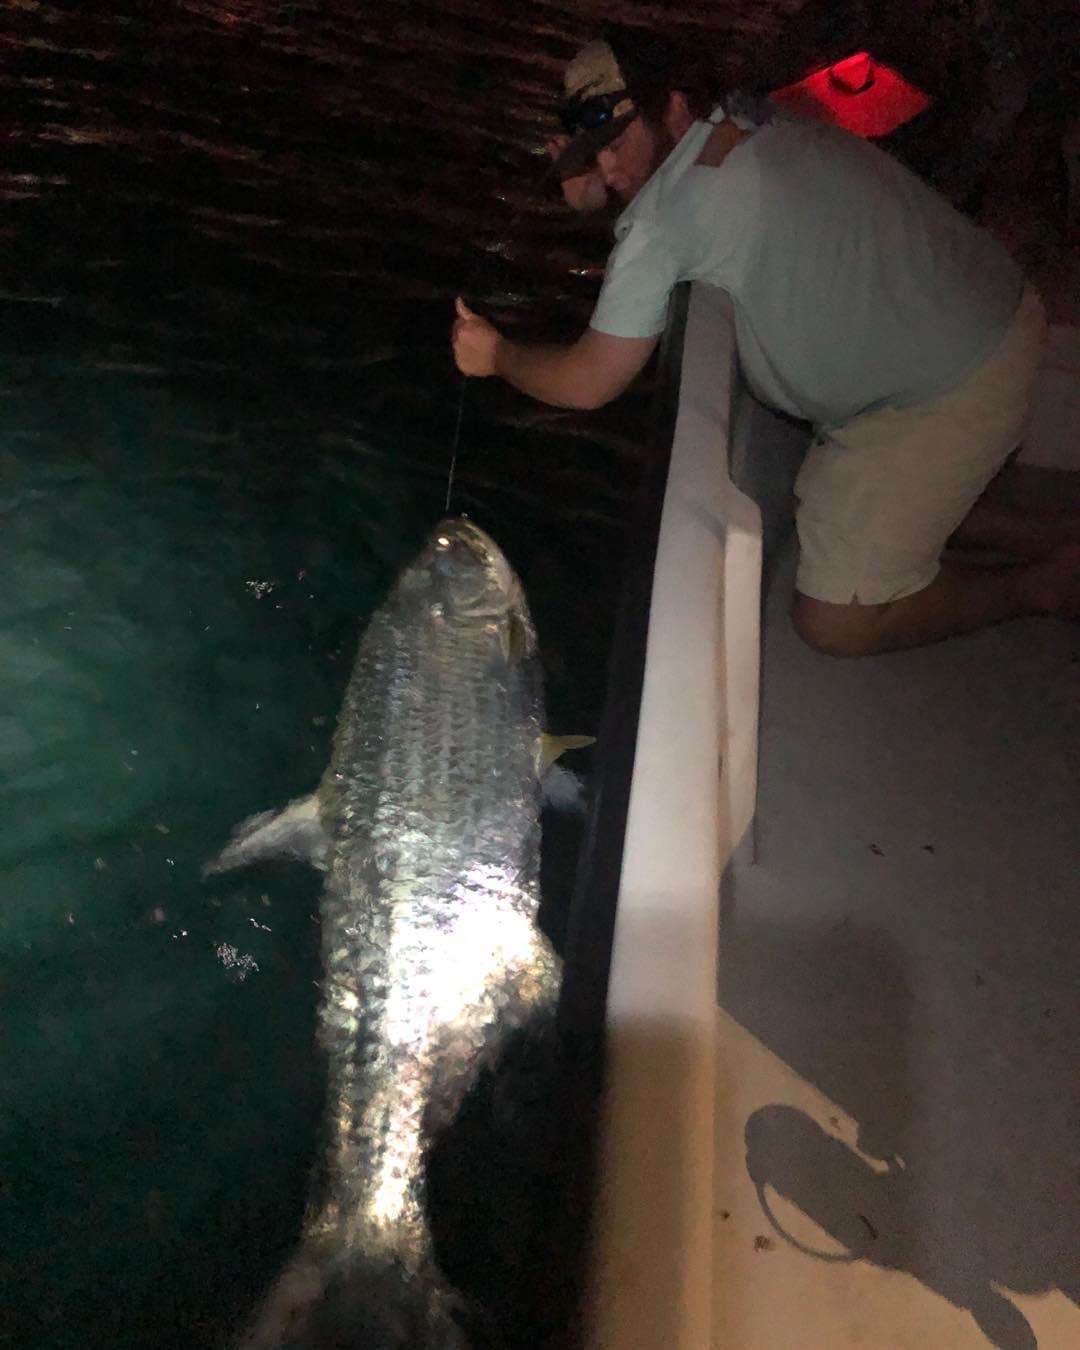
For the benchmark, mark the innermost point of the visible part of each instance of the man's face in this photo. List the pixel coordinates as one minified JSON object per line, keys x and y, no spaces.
{"x":628,"y":163}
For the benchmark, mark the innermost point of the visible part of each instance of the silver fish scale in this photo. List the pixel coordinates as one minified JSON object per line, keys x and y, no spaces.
{"x":430,"y":944}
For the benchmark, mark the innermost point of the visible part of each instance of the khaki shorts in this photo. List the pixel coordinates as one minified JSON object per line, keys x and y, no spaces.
{"x":879,"y":496}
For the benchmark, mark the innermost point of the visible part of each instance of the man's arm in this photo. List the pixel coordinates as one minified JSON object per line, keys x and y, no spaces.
{"x":584,"y":374}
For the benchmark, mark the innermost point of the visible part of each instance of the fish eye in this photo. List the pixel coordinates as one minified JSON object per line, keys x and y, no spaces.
{"x":443,"y":541}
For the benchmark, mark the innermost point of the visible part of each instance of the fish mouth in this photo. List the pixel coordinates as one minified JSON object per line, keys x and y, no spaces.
{"x":460,"y":531}
{"x":458,"y":535}
{"x":483,"y":585}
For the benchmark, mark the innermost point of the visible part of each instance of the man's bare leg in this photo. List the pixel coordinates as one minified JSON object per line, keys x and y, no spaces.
{"x":958,"y":600}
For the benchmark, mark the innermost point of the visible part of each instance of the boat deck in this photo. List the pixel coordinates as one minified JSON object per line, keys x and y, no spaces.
{"x":898,"y":1105}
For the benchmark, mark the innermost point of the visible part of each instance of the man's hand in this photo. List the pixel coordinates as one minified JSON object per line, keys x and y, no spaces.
{"x":584,"y":374}
{"x":474,"y":341}
{"x":585,"y":191}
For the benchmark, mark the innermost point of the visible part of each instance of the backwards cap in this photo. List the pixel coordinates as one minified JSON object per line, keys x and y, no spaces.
{"x":625,"y":61}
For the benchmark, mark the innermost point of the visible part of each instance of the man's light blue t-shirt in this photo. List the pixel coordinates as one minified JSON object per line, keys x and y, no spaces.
{"x":854,"y":284}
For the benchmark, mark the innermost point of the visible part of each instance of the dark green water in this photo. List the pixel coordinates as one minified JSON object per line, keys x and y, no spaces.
{"x":176,"y":637}
{"x":231,"y":240}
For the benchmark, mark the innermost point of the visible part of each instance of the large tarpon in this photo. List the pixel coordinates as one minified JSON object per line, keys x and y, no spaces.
{"x":426,"y":824}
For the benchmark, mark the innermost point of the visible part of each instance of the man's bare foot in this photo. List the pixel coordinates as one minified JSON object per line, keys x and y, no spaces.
{"x":996,"y":526}
{"x":1055,"y":583}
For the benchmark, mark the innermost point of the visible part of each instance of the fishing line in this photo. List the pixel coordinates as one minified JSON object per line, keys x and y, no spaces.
{"x":454,"y":448}
{"x":504,"y":238}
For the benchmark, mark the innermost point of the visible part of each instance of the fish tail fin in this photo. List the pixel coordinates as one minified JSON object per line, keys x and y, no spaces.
{"x":286,"y":1310}
{"x":371,"y":1302}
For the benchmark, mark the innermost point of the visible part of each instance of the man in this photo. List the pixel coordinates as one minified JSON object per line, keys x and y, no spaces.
{"x":863,"y":303}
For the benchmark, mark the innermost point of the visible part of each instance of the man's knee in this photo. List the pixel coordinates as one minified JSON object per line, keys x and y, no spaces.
{"x":837,"y":630}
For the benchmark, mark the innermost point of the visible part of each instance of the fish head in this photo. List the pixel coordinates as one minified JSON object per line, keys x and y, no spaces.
{"x":472,"y":583}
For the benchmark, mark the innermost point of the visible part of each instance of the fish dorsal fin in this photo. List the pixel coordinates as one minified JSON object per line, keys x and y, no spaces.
{"x":549,"y":748}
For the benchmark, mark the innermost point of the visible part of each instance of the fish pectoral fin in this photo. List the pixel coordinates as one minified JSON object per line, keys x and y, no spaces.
{"x":295,"y":832}
{"x":515,"y":641}
{"x":549,"y":748}
{"x":518,"y":642}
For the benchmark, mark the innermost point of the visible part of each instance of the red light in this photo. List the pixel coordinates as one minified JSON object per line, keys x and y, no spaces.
{"x":854,"y":74}
{"x":857,"y":93}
